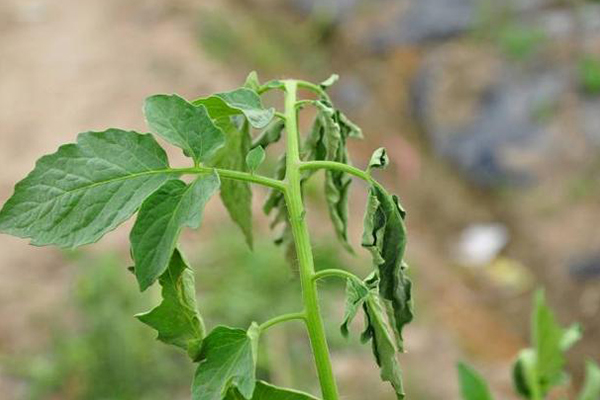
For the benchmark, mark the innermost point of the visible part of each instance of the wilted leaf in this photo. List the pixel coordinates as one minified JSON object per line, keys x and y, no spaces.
{"x":379,"y":159}
{"x":160,"y":220}
{"x":472,"y":384}
{"x":177,"y":319}
{"x":184,"y":125}
{"x":270,"y":135}
{"x":384,"y":236}
{"x":227,"y":361}
{"x":236,"y":195}
{"x":84,"y":190}
{"x":329,"y":81}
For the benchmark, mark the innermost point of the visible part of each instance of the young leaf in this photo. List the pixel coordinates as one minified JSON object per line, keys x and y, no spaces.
{"x":252,"y":81}
{"x":591,"y":387}
{"x":379,"y":159}
{"x":472,"y":384}
{"x":358,"y":295}
{"x":84,"y":190}
{"x":227,"y":361}
{"x":329,"y":81}
{"x":176,"y":319}
{"x":255,"y":158}
{"x":184,"y":125}
{"x":160,"y":220}
{"x":384,"y":236}
{"x":240,"y":101}
{"x":270,"y":135}
{"x":236,"y":195}
{"x":266,"y":391}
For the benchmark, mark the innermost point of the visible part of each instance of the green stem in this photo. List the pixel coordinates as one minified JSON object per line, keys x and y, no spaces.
{"x":335,"y":272}
{"x":295,"y":206}
{"x":282,"y":318}
{"x":236,"y":175}
{"x":337,"y":166}
{"x":314,"y":88}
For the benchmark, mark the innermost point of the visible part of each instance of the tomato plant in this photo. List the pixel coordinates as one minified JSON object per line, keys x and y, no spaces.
{"x":76,"y":195}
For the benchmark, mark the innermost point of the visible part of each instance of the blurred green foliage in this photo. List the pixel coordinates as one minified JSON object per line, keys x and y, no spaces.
{"x":520,"y":42}
{"x":589,"y":74}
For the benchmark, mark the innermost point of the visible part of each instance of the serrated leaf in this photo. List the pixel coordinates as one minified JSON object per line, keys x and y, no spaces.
{"x":270,"y":135}
{"x":379,"y":159}
{"x":177,"y":319}
{"x":472,"y":384}
{"x":240,"y":101}
{"x":184,"y":125}
{"x":267,"y":391}
{"x":591,"y":386}
{"x":236,"y":195}
{"x":160,"y":220}
{"x":329,"y":81}
{"x":227,"y":361}
{"x":255,"y":158}
{"x":384,"y":236}
{"x":86,"y":189}
{"x":376,"y":329}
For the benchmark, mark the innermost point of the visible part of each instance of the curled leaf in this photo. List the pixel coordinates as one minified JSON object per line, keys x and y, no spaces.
{"x":329,"y":81}
{"x":379,"y":159}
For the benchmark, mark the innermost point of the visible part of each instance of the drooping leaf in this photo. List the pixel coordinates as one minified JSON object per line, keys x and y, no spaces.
{"x":267,"y":391}
{"x":379,"y":159}
{"x":276,"y":202}
{"x":337,"y":188}
{"x":255,"y":158}
{"x":472,"y":384}
{"x":177,"y":319}
{"x":236,"y":195}
{"x":591,"y":386}
{"x":384,"y":236}
{"x":329,"y":81}
{"x":270,"y":135}
{"x":160,"y":220}
{"x":86,"y":189}
{"x":240,"y":101}
{"x":227,"y":361}
{"x":184,"y":125}
{"x":359,"y":294}
{"x":356,"y":294}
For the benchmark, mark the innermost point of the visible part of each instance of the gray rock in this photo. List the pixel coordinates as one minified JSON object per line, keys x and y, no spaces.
{"x":502,"y":138}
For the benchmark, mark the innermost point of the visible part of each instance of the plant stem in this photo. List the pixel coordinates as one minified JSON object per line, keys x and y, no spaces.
{"x":282,"y":318}
{"x":295,"y":206}
{"x":335,"y":272}
{"x":236,"y":175}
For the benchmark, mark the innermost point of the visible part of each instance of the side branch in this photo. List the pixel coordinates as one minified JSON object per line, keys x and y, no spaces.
{"x":335,"y":272}
{"x":235,"y":175}
{"x":282,"y":318}
{"x":337,"y":166}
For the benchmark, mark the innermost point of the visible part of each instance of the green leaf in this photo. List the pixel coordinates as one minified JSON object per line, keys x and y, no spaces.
{"x":160,"y":220}
{"x":547,"y":338}
{"x":384,"y":236}
{"x":472,"y":384}
{"x":252,"y":81}
{"x":525,"y":375}
{"x":240,"y":101}
{"x":227,"y":361}
{"x":270,"y":135}
{"x":255,"y":158}
{"x":358,"y":295}
{"x":184,"y":125}
{"x":329,"y":81}
{"x":84,"y":190}
{"x":379,"y":159}
{"x":266,"y":391}
{"x":591,"y":387}
{"x":236,"y":195}
{"x":177,"y":319}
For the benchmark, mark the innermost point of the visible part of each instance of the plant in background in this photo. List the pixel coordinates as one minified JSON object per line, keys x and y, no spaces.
{"x":540,"y":368}
{"x":84,"y":190}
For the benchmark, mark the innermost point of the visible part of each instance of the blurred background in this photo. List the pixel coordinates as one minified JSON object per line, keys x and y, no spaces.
{"x":490,"y":111}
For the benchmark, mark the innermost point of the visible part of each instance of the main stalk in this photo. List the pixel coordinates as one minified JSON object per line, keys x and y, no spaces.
{"x":295,"y":206}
